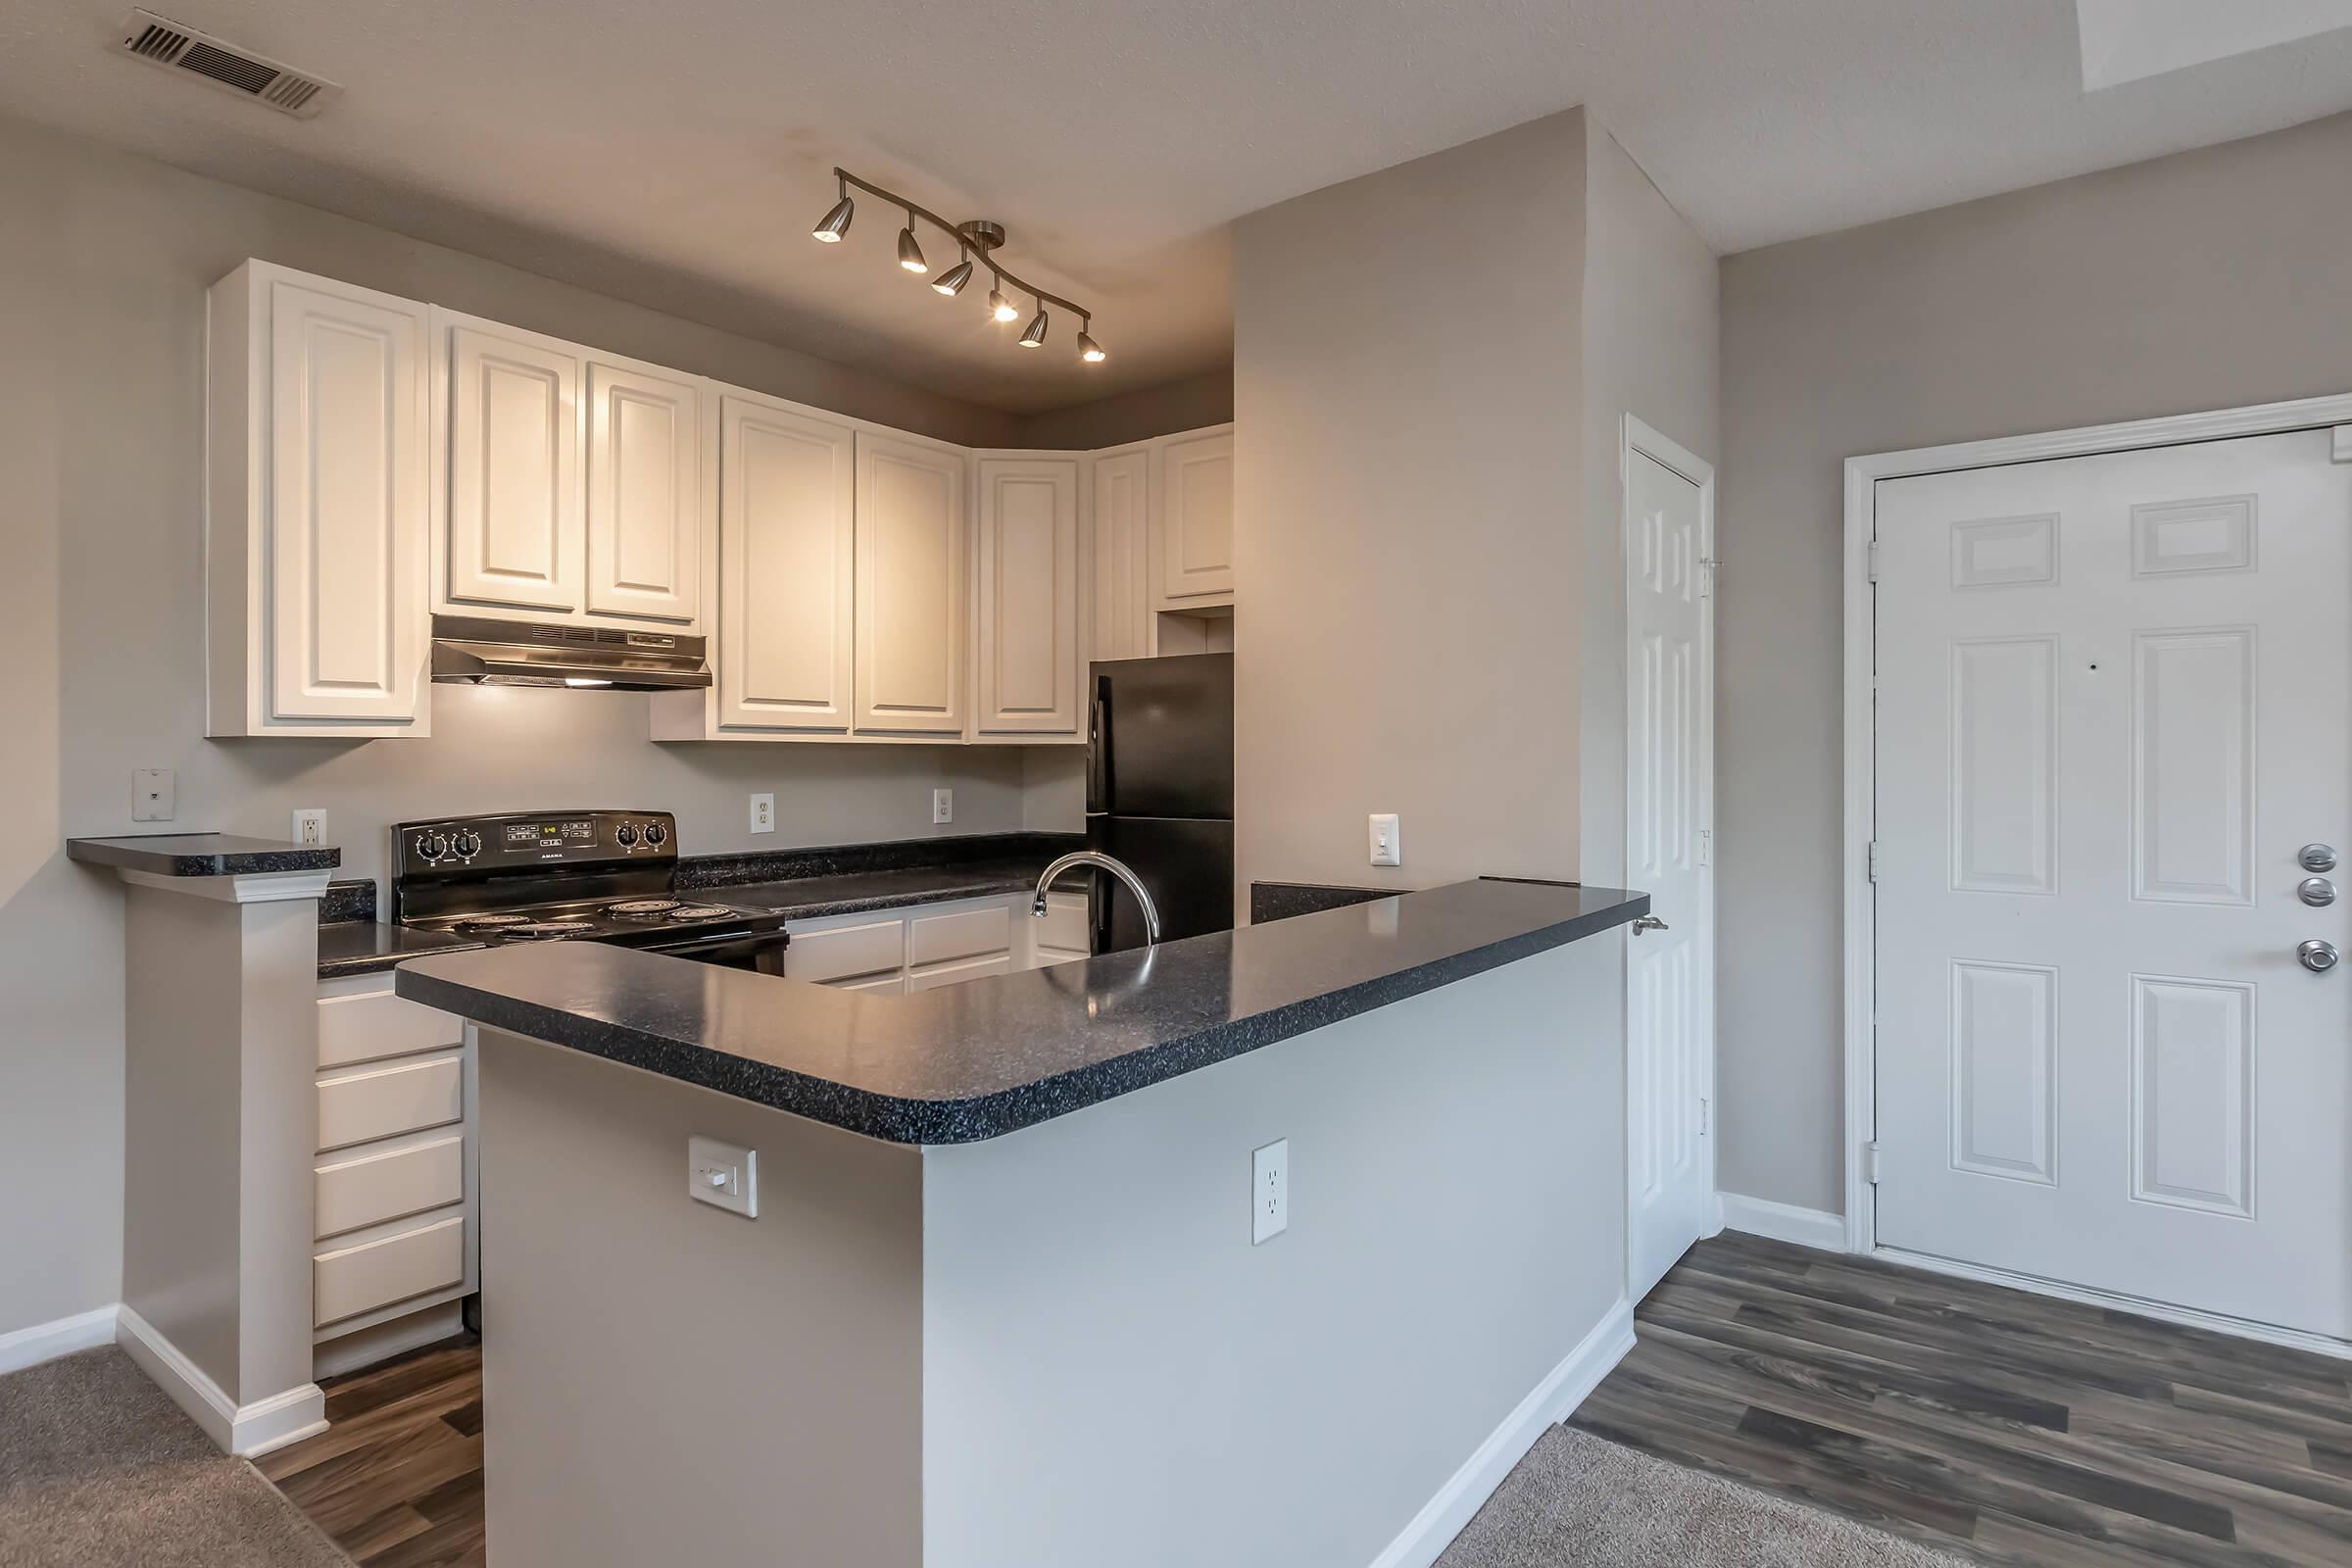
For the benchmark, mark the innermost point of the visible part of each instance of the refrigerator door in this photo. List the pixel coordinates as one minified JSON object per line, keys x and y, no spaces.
{"x":1162,"y":737}
{"x":1186,"y":862}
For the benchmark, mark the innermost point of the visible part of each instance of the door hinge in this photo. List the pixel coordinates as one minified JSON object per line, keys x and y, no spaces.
{"x":1707,"y":847}
{"x":1874,"y":860}
{"x":1873,"y":561}
{"x":2340,"y":443}
{"x":1703,"y":1116}
{"x":1870,"y":1162}
{"x":1706,"y":575}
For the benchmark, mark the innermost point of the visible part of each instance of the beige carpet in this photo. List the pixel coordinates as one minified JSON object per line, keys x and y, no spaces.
{"x":1581,"y":1502}
{"x":99,"y":1469}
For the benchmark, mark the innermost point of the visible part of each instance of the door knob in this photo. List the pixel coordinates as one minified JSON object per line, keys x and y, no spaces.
{"x":2316,"y":891}
{"x":2317,"y":857}
{"x":1648,"y":922}
{"x":2315,"y":956}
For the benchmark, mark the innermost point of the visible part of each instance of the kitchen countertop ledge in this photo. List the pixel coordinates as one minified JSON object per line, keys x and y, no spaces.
{"x":202,"y":854}
{"x":965,"y":1062}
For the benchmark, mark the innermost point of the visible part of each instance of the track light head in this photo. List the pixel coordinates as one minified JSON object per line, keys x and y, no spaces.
{"x":910,"y":255}
{"x":951,"y":282}
{"x":1088,"y":349}
{"x":836,"y":221}
{"x":1034,"y":334}
{"x":1000,"y":309}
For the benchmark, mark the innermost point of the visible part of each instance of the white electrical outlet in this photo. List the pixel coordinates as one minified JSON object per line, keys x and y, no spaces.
{"x":310,"y":827}
{"x":724,"y":1175}
{"x":1388,"y":840}
{"x":942,"y":805}
{"x":153,"y":793}
{"x":764,"y":814}
{"x":1269,"y":1191}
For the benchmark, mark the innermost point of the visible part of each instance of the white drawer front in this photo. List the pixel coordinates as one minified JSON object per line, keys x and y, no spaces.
{"x":392,"y":1269}
{"x":371,"y":1188}
{"x":938,"y":938}
{"x":844,"y":950}
{"x":1062,"y":927}
{"x":947,"y":974}
{"x":887,"y":985}
{"x":377,"y":1024}
{"x":355,"y":1108}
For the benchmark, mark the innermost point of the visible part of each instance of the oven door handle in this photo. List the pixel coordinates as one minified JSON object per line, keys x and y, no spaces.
{"x":719,"y":942}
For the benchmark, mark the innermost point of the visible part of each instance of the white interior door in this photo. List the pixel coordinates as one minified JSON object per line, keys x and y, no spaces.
{"x":2112,"y":706}
{"x":1669,"y":991}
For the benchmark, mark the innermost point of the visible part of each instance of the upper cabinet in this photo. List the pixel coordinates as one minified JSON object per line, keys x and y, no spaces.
{"x":912,"y":587}
{"x":786,"y":487}
{"x":1122,"y":554}
{"x":571,"y":481}
{"x":1193,"y":525}
{"x":1026,"y":563}
{"x":317,"y":508}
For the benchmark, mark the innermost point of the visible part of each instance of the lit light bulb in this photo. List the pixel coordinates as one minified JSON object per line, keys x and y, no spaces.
{"x":1034,"y":334}
{"x":1088,"y":350}
{"x":1000,"y":308}
{"x":836,"y":221}
{"x":910,"y":255}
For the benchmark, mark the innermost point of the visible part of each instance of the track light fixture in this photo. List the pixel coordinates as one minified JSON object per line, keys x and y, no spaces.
{"x":836,"y":221}
{"x":980,"y":235}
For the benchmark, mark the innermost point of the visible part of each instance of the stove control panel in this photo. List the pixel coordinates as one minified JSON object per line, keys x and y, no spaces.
{"x":519,"y":839}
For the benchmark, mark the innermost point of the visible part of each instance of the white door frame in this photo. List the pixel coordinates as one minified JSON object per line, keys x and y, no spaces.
{"x":1862,"y":476}
{"x":1638,"y":436}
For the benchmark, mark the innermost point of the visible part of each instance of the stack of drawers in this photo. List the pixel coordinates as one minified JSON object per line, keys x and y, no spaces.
{"x":394,"y":1185}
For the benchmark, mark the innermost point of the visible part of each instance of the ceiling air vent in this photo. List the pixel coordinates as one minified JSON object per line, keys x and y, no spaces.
{"x":164,"y":43}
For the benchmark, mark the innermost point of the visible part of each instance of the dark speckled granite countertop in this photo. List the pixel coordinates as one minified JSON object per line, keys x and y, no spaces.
{"x":964,"y":1062}
{"x":201,"y":855}
{"x":363,"y":947}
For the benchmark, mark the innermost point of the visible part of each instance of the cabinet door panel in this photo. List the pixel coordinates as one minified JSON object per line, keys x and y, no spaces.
{"x":1028,"y":600}
{"x":644,"y":495}
{"x":348,"y":477}
{"x":1195,"y":519}
{"x":514,"y":473}
{"x":1122,"y":574}
{"x":786,"y":548}
{"x":913,"y":588}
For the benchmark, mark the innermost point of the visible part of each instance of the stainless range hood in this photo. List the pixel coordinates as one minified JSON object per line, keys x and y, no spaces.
{"x":480,"y":651}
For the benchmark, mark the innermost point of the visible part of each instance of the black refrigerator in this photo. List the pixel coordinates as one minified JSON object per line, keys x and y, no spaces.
{"x":1159,"y":794}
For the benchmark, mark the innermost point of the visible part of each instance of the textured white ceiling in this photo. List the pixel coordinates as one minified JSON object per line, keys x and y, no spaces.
{"x":675,"y":151}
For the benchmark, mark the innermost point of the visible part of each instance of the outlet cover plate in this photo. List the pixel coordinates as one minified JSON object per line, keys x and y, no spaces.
{"x":154,"y":795}
{"x":1269,"y":1191}
{"x":764,"y":814}
{"x":942,"y":805}
{"x":310,"y":826}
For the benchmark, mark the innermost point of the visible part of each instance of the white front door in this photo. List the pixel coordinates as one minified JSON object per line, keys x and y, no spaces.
{"x":2113,"y":706}
{"x":1669,"y":992}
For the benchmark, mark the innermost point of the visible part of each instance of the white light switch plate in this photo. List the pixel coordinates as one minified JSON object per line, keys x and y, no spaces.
{"x":764,"y":814}
{"x":153,"y":795}
{"x":724,"y":1175}
{"x":1388,"y":840}
{"x":942,"y":805}
{"x":1269,"y":1191}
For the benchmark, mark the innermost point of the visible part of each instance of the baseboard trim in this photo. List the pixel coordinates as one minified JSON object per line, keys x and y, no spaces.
{"x":1552,"y":1400}
{"x":46,"y":1342}
{"x":2138,"y":1306}
{"x":1784,"y":1222}
{"x":249,"y":1430}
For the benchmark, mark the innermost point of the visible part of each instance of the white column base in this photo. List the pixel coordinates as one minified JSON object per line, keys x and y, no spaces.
{"x":248,"y":1430}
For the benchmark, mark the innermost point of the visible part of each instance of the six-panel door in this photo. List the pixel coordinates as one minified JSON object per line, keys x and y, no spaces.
{"x":787,"y":525}
{"x":348,"y":475}
{"x":1028,"y":631}
{"x":912,"y":590}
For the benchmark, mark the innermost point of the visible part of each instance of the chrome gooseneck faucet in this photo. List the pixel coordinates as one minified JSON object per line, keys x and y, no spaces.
{"x":1094,"y":858}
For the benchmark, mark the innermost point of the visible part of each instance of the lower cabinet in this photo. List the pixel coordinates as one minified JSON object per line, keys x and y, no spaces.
{"x":892,"y":952}
{"x":394,"y":1187}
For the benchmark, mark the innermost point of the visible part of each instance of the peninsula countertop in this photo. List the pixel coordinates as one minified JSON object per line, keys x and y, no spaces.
{"x":965,"y":1062}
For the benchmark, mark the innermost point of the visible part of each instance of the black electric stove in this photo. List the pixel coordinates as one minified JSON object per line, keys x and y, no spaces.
{"x":553,"y":876}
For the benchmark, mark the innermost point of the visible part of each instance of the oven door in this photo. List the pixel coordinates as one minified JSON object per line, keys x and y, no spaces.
{"x":735,"y":949}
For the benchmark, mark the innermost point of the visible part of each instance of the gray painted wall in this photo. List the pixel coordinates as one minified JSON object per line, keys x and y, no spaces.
{"x":1408,"y":404}
{"x":2208,"y":280}
{"x":104,"y":261}
{"x":1186,"y":405}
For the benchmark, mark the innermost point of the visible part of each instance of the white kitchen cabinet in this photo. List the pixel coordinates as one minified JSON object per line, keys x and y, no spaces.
{"x":1193,"y":524}
{"x":913,"y":588}
{"x":786,"y":559}
{"x":1120,"y":579}
{"x":646,"y":521}
{"x":318,"y":512}
{"x":512,"y":535}
{"x":891,"y":951}
{"x":1027,"y":561}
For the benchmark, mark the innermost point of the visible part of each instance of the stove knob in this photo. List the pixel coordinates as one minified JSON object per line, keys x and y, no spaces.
{"x":469,"y":844}
{"x":626,"y":834}
{"x":656,"y":834}
{"x":432,"y":846}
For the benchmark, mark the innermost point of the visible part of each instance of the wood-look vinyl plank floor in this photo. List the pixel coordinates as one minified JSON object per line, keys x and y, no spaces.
{"x":2006,"y":1427}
